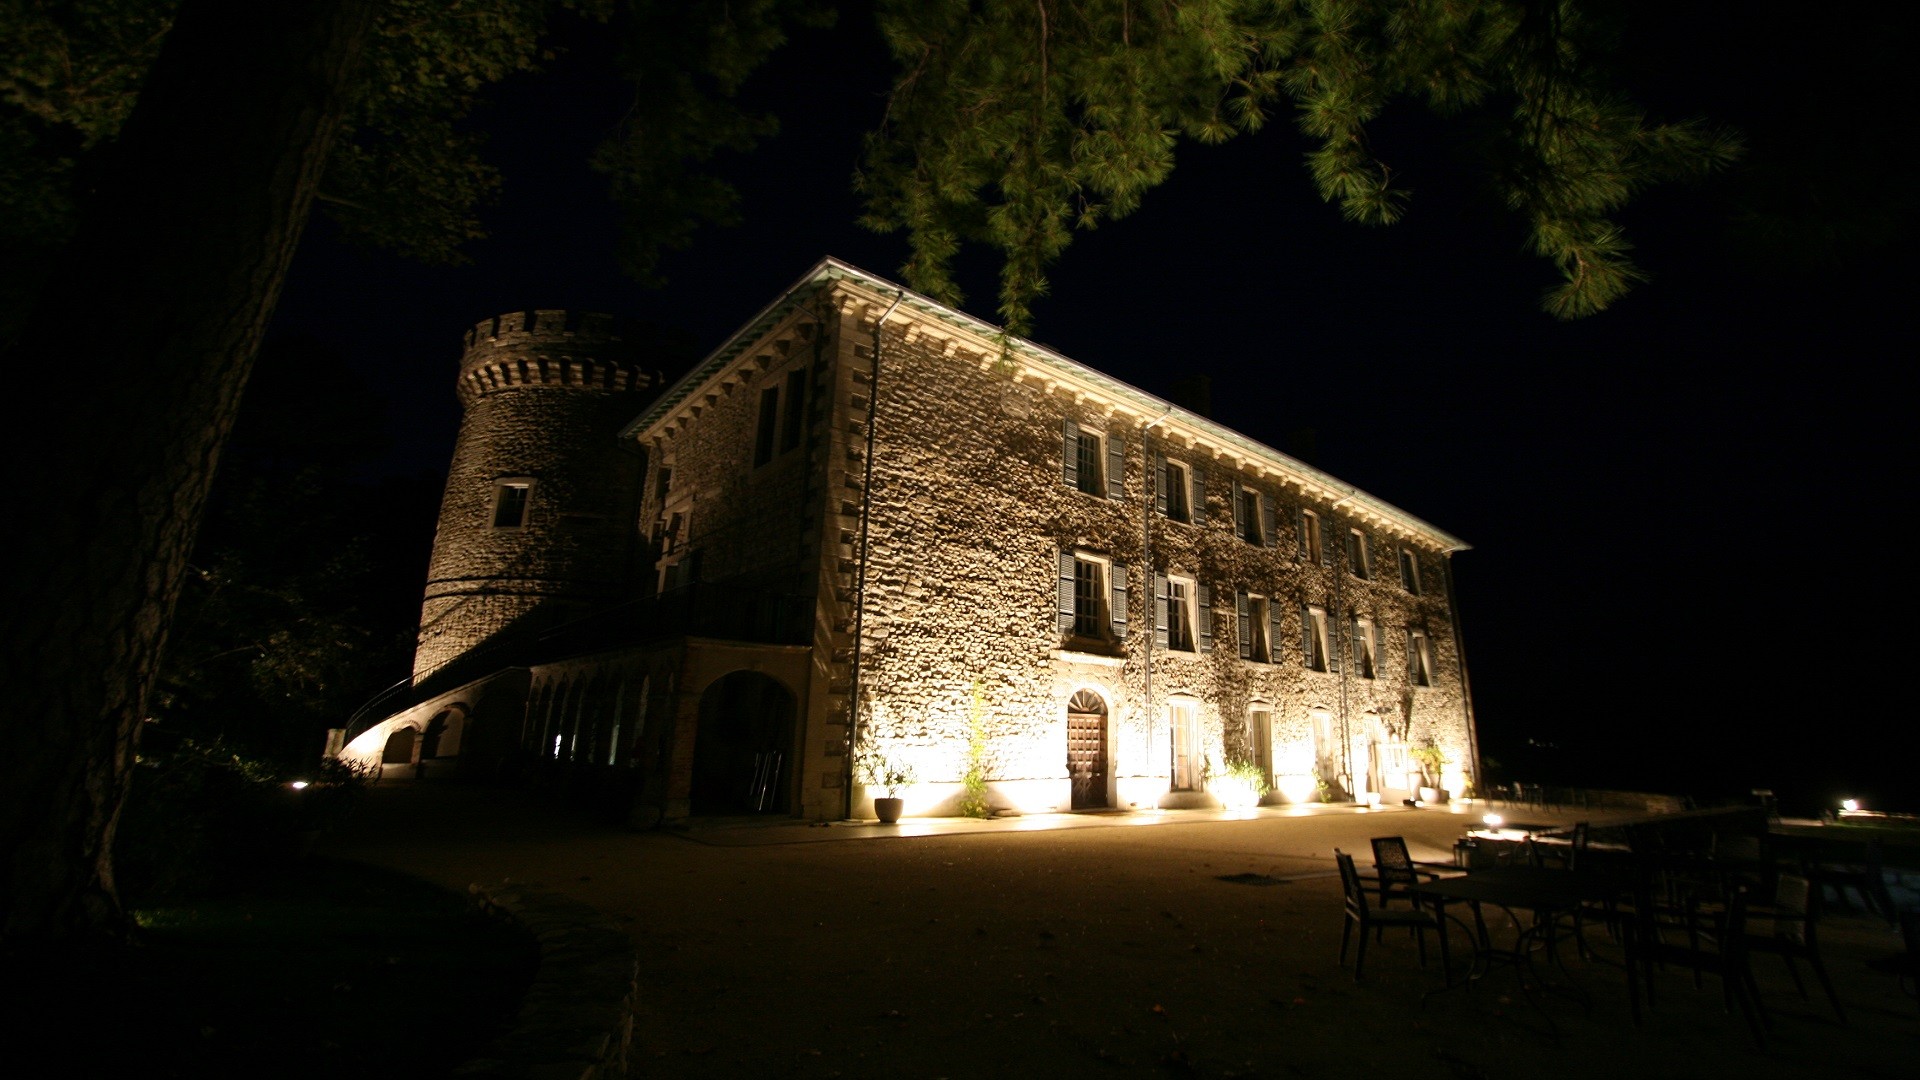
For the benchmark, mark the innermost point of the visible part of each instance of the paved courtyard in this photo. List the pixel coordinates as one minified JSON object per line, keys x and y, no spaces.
{"x":1087,"y":946}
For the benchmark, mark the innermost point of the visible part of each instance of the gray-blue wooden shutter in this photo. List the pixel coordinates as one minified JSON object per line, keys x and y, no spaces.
{"x":1160,"y":610}
{"x":1116,"y":467}
{"x":1273,"y":631}
{"x":1306,"y":635}
{"x":1205,"y":605}
{"x":1160,"y":483}
{"x":1239,"y":527}
{"x":1333,"y":638}
{"x":1379,"y":648}
{"x":1413,"y":659}
{"x":1197,"y":509}
{"x":1070,"y":453}
{"x":1300,"y":534}
{"x":1353,"y":641}
{"x":1067,"y":566}
{"x":1269,"y":521}
{"x":1326,"y":544}
{"x":1117,"y":600}
{"x":1243,"y":618}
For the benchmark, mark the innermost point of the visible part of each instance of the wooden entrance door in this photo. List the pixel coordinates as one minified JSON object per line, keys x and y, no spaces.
{"x":1087,"y":750}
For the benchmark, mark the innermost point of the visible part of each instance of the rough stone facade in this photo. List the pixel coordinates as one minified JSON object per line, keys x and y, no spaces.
{"x":990,"y":547}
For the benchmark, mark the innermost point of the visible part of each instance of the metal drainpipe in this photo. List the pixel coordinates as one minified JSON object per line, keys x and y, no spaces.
{"x":1466,"y":686}
{"x":1333,"y":641}
{"x":1146,"y":573}
{"x":860,"y":581}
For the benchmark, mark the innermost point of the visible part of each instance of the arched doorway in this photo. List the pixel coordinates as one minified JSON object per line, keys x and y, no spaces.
{"x":742,"y":746}
{"x":1087,"y":750}
{"x":399,"y":749}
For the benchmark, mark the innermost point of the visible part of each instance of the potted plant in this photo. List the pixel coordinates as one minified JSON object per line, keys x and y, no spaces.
{"x":889,"y":774}
{"x":1431,"y":759}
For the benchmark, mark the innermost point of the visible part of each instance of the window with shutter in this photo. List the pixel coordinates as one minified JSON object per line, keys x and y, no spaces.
{"x":1269,"y":521}
{"x":1197,"y":509}
{"x":1116,"y":467}
{"x":1250,"y":523}
{"x":1358,"y":561}
{"x":1179,"y":615}
{"x":1089,"y":468}
{"x":1419,"y":659}
{"x":1160,"y":484}
{"x":1117,"y":601}
{"x":1363,"y":655}
{"x":1409,"y":571}
{"x":1273,"y":632}
{"x":1331,"y":629}
{"x":1070,"y":453}
{"x":1379,"y":645}
{"x":1176,"y":489}
{"x":1314,"y":641}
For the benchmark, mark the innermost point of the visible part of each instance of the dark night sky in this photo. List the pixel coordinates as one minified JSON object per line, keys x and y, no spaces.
{"x":1684,"y":574}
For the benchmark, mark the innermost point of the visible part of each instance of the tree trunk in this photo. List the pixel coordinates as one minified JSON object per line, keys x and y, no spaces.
{"x":127,"y":377}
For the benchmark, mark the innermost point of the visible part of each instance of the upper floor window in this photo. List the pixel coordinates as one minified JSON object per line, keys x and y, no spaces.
{"x":1359,"y":557}
{"x":1183,"y":614}
{"x":1315,"y":646}
{"x":793,"y":422}
{"x":1179,"y":492}
{"x":1253,"y":515}
{"x":768,"y":425}
{"x":1093,"y":598}
{"x":1091,"y":462}
{"x":1306,"y":526}
{"x":1419,"y":658}
{"x":1410,"y":571}
{"x":511,"y":498}
{"x":1366,"y":647}
{"x":1258,"y":627}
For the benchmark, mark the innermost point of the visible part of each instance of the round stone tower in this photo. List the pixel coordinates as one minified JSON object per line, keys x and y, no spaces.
{"x":540,"y":519}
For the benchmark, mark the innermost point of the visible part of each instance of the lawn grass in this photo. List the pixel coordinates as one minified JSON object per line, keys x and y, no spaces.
{"x":316,"y":968}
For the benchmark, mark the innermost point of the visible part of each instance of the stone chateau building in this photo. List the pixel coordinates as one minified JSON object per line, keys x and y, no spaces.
{"x":867,"y":522}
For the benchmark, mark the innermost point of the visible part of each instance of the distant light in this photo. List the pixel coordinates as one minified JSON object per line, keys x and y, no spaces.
{"x":1494,"y":820}
{"x":298,"y":785}
{"x":1850,"y":805}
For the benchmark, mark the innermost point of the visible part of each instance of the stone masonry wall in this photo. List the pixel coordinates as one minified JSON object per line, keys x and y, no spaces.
{"x":970,"y":513}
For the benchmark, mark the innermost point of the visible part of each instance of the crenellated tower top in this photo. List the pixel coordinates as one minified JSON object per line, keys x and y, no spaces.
{"x":582,"y":350}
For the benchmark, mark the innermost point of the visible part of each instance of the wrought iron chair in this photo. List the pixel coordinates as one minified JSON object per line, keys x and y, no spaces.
{"x":1360,"y":914}
{"x":1397,"y":872}
{"x":1794,"y":913}
{"x":1904,"y":965}
{"x":1716,"y":944}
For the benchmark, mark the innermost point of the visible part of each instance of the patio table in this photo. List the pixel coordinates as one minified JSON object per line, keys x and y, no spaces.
{"x":1545,"y":893}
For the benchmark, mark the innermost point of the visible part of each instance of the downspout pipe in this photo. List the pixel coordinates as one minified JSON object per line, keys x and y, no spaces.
{"x":1466,"y":684}
{"x":1146,"y":575}
{"x":860,"y":578}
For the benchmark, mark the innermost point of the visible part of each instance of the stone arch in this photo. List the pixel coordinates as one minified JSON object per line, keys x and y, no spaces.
{"x":401,"y":746}
{"x":743,"y":746}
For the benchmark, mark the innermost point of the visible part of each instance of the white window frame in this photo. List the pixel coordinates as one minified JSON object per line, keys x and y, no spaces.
{"x":1359,"y":555}
{"x":1322,"y":629}
{"x":1102,"y":599}
{"x":1259,"y":628}
{"x":1410,"y":571}
{"x":1183,"y":718}
{"x":1179,"y":494}
{"x":1190,"y":612}
{"x":524,"y":484}
{"x":1251,"y":509}
{"x":1366,"y":659}
{"x":1097,"y":487}
{"x":1419,"y":658}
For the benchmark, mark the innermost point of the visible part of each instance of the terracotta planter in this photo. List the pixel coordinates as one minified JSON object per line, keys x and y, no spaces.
{"x":888,"y":810}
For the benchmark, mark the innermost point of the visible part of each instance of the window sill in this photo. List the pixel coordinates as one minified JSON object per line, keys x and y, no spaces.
{"x":1080,"y":656}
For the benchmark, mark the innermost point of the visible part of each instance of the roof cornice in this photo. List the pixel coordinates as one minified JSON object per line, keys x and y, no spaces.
{"x":1053,"y":371}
